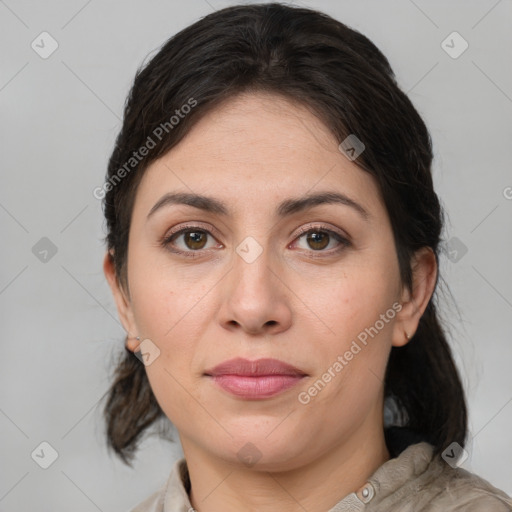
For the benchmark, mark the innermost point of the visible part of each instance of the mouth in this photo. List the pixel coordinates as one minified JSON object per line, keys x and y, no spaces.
{"x":255,"y":380}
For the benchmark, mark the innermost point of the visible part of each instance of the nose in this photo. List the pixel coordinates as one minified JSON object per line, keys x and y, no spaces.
{"x":255,"y":297}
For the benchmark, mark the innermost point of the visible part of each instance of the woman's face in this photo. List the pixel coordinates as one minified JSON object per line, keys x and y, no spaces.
{"x":313,"y":284}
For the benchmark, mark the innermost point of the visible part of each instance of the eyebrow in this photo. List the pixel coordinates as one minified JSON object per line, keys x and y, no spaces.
{"x":285,"y":208}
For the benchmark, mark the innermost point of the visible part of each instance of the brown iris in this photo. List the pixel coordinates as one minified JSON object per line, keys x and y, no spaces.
{"x":318,"y":240}
{"x":195,"y":239}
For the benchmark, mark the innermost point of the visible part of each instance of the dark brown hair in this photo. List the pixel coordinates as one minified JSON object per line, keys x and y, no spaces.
{"x":346,"y":82}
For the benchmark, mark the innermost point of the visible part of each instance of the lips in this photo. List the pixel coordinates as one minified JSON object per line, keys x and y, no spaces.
{"x":255,"y":380}
{"x":258,"y":368}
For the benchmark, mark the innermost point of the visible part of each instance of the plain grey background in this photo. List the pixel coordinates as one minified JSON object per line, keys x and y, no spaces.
{"x":59,"y":327}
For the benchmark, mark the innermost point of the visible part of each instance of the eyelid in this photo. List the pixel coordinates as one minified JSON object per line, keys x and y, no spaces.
{"x":321,"y":227}
{"x":200,"y":226}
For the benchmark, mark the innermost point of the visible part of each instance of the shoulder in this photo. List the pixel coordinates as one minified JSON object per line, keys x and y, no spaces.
{"x":419,"y":481}
{"x":476,"y":494}
{"x":457,"y":487}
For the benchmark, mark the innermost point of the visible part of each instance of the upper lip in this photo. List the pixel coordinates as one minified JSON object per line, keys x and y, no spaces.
{"x":259,"y":367}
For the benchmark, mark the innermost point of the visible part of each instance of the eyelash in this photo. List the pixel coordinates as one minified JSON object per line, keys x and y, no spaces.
{"x":344,"y":243}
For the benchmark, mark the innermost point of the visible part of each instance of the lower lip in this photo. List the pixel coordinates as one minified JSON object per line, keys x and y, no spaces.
{"x":254,"y":388}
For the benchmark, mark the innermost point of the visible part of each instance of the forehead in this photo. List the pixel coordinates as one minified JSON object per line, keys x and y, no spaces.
{"x":241,"y":127}
{"x":258,"y":144}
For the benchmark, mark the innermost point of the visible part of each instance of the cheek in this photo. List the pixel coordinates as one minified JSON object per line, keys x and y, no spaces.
{"x":168,"y":389}
{"x":172,"y":319}
{"x":350,"y":302}
{"x":164,"y":302}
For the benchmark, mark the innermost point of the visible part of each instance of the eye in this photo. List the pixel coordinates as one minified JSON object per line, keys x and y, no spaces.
{"x":188,"y":240}
{"x":319,"y":239}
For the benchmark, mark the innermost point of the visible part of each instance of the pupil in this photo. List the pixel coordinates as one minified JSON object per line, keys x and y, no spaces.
{"x":316,"y":238}
{"x":195,"y":238}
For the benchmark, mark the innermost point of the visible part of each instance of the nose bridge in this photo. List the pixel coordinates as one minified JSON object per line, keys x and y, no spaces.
{"x":252,"y":269}
{"x":255,"y":301}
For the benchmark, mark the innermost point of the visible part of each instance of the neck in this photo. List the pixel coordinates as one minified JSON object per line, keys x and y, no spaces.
{"x":315,"y":487}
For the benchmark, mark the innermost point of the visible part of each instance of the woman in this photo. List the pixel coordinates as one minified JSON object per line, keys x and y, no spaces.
{"x":273,"y":240}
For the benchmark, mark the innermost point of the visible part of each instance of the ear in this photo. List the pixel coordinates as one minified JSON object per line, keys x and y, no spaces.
{"x":414,"y":303}
{"x":123,"y":302}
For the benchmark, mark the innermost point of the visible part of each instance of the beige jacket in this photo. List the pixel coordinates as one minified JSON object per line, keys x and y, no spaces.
{"x":415,"y":481}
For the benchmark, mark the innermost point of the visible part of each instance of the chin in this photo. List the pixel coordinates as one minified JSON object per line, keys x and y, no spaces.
{"x":261,"y":452}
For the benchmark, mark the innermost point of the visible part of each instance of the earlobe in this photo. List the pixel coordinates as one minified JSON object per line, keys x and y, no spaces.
{"x":133,"y":344}
{"x":123,"y":304}
{"x":414,"y":303}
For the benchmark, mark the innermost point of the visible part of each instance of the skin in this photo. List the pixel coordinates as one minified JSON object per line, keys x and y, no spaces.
{"x":298,"y":302}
